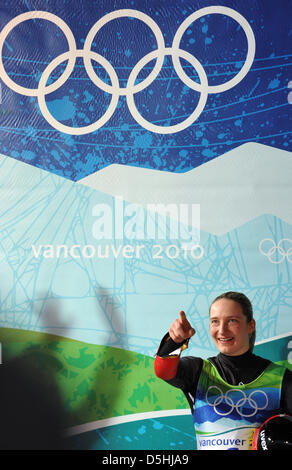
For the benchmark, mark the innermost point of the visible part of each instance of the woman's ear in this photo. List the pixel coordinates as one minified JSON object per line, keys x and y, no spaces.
{"x":251,"y":326}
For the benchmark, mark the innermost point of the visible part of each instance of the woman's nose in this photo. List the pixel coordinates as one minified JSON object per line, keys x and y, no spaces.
{"x":223,"y":327}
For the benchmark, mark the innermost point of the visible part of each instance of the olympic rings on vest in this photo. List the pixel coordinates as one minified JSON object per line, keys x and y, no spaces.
{"x":239,"y":404}
{"x":131,"y":89}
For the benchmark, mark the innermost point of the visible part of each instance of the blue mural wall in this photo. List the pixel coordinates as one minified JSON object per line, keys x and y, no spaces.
{"x":145,"y":168}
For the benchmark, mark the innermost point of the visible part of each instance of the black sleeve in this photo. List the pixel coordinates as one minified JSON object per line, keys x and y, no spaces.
{"x":189,"y":367}
{"x":286,"y":396}
{"x":187,"y":377}
{"x":167,"y":346}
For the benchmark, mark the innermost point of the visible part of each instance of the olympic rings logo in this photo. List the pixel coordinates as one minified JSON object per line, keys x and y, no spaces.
{"x":240,"y":403}
{"x":131,"y":89}
{"x":269,"y":248}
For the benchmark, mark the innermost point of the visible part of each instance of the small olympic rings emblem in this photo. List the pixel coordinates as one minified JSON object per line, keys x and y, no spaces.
{"x":276,"y":252}
{"x":239,"y":405}
{"x":132,"y":88}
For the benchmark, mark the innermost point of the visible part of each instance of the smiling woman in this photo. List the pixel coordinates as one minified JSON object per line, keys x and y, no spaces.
{"x":230,"y":394}
{"x":232,"y":326}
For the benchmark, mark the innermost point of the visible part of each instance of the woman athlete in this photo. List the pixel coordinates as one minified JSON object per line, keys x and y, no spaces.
{"x":233,"y":393}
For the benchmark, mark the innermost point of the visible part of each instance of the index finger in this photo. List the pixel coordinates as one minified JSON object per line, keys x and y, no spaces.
{"x":183,"y":317}
{"x":186,"y":324}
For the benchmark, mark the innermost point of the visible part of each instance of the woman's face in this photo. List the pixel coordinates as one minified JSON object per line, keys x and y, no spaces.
{"x":229,"y":327}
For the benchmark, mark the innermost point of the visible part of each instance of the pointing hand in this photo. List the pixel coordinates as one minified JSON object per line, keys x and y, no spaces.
{"x":181,"y":329}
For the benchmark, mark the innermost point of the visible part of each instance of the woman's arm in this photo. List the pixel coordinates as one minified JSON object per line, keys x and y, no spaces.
{"x":166,"y":364}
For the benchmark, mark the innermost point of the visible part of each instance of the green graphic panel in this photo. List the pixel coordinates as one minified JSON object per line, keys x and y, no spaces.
{"x":96,"y":382}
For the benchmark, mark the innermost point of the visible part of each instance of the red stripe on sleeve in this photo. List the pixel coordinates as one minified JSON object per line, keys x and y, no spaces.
{"x":166,"y":367}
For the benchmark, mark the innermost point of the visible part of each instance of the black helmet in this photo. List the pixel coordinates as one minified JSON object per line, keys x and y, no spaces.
{"x":274,"y":434}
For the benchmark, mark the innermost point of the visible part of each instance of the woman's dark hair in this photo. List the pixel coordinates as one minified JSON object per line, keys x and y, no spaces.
{"x":246,"y":308}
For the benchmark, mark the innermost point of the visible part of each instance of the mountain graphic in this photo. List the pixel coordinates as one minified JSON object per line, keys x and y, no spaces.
{"x":237,"y":187}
